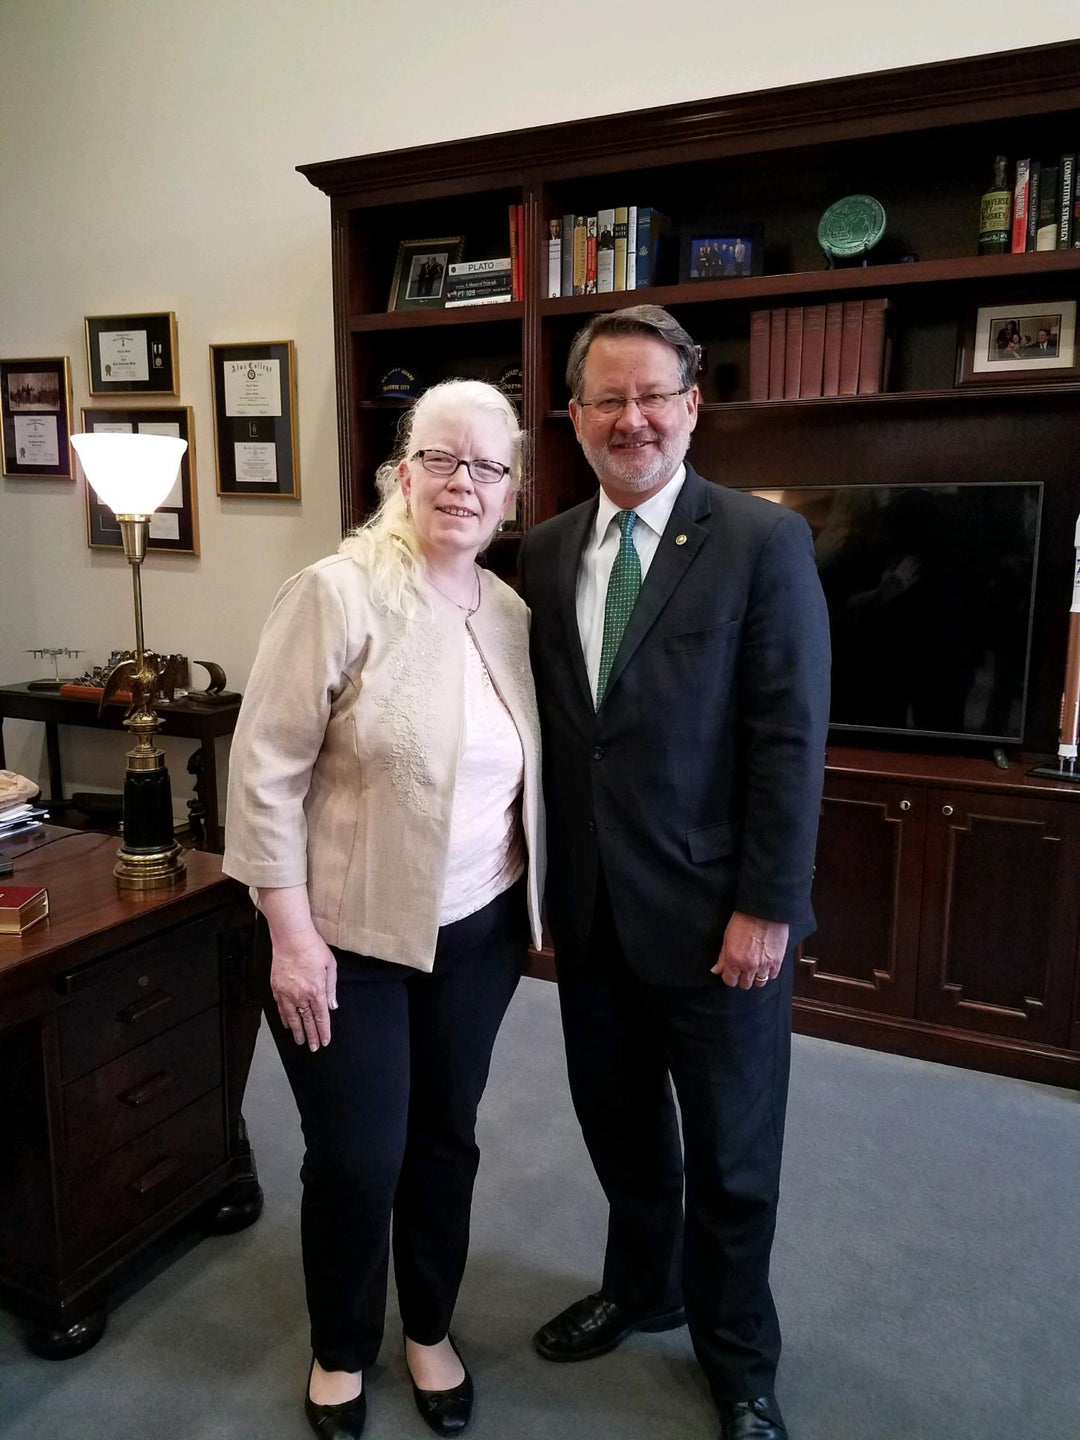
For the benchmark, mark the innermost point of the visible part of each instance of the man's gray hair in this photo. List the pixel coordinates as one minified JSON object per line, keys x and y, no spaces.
{"x":648,"y":320}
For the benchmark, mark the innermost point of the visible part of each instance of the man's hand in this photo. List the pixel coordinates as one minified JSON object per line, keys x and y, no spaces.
{"x":753,"y":951}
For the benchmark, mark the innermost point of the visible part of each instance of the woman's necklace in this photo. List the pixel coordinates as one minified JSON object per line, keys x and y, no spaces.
{"x":469,"y":610}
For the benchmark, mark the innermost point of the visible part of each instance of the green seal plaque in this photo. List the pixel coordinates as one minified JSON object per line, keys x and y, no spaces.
{"x":851,"y":227}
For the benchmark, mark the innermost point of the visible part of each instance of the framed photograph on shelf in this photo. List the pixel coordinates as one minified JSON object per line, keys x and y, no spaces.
{"x":132,"y":354}
{"x":1019,"y":343}
{"x":174,"y":526}
{"x":420,"y":273}
{"x":256,"y":447}
{"x":722,"y":251}
{"x":35,"y":409}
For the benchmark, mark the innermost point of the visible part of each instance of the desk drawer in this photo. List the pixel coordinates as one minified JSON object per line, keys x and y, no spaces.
{"x":133,"y":1184}
{"x":130,"y":1095}
{"x":165,"y":981}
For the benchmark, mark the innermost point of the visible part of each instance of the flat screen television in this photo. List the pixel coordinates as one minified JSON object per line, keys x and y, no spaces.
{"x":930,"y":590}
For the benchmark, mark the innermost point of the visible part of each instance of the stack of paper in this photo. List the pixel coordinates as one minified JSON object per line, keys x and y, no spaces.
{"x":14,"y":819}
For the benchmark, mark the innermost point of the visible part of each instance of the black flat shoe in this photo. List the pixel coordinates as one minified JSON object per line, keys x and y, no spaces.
{"x":752,"y":1420}
{"x":335,"y":1422}
{"x":447,"y":1412}
{"x":595,"y":1325}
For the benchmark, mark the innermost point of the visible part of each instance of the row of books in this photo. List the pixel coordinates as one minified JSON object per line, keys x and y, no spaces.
{"x":1046,"y":208}
{"x":805,"y":351}
{"x":624,"y":248}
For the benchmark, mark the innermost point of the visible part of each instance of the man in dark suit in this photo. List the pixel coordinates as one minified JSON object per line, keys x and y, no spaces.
{"x":680,"y":644}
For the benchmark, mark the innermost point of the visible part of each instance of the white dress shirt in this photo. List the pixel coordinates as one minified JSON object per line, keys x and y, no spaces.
{"x":599,"y":555}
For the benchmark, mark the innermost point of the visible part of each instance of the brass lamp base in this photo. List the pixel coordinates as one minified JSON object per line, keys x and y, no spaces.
{"x":154,"y":871}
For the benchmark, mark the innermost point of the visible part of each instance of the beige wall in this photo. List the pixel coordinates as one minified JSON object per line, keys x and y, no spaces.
{"x":147,"y":153}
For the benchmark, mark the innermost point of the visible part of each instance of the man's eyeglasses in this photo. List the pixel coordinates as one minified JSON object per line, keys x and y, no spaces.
{"x":653,"y":404}
{"x":483,"y":472}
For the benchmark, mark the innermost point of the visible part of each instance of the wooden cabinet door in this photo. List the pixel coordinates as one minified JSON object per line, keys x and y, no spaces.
{"x":866,"y":897}
{"x":1000,"y":914}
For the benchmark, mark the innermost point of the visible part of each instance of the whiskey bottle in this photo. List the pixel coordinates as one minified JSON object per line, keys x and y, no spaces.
{"x":995,"y":213}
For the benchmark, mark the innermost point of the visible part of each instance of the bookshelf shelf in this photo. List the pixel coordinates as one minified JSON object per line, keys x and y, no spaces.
{"x":427,"y":319}
{"x":963,"y":268}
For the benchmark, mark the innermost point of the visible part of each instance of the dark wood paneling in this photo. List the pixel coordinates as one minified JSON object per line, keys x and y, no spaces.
{"x":866,"y":898}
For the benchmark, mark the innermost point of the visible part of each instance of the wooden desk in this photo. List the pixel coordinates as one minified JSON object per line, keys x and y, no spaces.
{"x":127,"y":1026}
{"x":19,"y":702}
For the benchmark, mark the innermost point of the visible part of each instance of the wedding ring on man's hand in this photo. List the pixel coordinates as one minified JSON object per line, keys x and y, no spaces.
{"x":761,"y":979}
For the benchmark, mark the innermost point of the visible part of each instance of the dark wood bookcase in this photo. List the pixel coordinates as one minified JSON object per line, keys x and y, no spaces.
{"x":922,"y":140}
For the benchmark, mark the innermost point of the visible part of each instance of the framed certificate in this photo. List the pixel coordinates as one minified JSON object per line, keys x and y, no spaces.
{"x":132,"y":354}
{"x":255,"y":440}
{"x":174,"y":525}
{"x":35,"y":411}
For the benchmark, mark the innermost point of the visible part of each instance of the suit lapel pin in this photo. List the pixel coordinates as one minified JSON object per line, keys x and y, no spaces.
{"x":680,"y":539}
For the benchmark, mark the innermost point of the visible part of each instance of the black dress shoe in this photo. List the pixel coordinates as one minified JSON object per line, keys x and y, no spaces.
{"x":595,"y":1325}
{"x":447,"y":1412}
{"x":752,"y":1420}
{"x":336,"y":1422}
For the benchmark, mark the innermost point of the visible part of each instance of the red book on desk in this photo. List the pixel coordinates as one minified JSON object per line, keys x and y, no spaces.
{"x":21,"y":906}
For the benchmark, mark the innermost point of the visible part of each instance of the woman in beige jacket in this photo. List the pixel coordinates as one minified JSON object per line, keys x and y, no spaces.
{"x":385,"y":804}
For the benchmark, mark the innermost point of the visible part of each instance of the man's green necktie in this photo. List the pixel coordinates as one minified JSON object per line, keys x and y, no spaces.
{"x":624,"y":583}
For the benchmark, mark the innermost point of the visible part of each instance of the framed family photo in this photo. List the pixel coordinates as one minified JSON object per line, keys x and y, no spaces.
{"x":132,"y":354}
{"x":722,"y":252}
{"x":35,"y":411}
{"x":256,"y":448}
{"x":420,"y":273}
{"x":1019,"y":343}
{"x":174,"y":526}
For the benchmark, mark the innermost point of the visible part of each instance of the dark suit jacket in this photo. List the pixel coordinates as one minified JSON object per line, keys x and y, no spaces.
{"x":698,"y":782}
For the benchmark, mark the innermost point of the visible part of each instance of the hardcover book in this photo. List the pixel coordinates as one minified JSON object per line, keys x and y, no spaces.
{"x":554,"y":266}
{"x":1066,"y":201}
{"x":793,"y":352}
{"x":1034,"y":192}
{"x":875,"y":347}
{"x":621,"y":224}
{"x":1046,"y":221}
{"x":813,"y":352}
{"x":777,"y":352}
{"x":631,"y":247}
{"x":760,"y":326}
{"x":21,"y":906}
{"x":830,"y":370}
{"x":1021,"y":191}
{"x":605,"y":251}
{"x":850,"y":347}
{"x":654,"y":230}
{"x":590,"y":255}
{"x":580,"y":253}
{"x":567,"y":228}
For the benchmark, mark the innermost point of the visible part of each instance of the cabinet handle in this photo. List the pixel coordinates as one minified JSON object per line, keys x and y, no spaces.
{"x":905,"y":804}
{"x":139,"y":1009}
{"x":946,"y":809}
{"x":150,"y":1089}
{"x":155,"y":1176}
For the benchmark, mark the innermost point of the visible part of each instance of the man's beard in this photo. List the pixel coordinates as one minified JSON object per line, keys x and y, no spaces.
{"x":626,"y":470}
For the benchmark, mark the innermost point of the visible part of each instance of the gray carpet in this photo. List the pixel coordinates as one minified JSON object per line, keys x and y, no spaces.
{"x":926,"y":1270}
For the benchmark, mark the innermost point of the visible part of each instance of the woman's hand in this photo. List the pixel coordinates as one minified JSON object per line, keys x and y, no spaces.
{"x":303,"y":975}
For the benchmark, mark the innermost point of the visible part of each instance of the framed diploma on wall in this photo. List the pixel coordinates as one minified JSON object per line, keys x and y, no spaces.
{"x":132,"y":354}
{"x":174,"y":525}
{"x":255,"y":439}
{"x":35,"y":410}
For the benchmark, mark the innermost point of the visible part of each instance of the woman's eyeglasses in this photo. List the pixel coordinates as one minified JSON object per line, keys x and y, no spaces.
{"x":483,"y":472}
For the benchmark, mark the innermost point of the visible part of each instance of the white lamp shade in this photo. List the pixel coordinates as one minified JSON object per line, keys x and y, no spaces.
{"x":131,"y":474}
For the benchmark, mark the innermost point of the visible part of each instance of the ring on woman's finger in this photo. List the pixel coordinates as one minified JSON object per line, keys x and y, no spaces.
{"x":761,"y":979}
{"x":303,"y":1009}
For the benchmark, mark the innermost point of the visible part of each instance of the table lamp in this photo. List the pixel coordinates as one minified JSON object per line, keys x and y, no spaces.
{"x":132,"y":474}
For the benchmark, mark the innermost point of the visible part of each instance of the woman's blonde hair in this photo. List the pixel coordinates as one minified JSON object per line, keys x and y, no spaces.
{"x":386,"y":543}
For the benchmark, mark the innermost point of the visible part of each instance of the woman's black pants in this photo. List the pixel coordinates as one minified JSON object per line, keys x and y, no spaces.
{"x":388,"y":1111}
